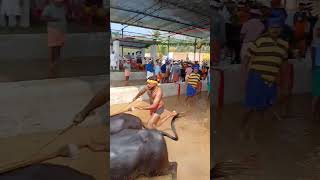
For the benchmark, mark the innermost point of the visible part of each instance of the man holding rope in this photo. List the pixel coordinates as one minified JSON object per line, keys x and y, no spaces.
{"x":156,"y":107}
{"x":97,"y":101}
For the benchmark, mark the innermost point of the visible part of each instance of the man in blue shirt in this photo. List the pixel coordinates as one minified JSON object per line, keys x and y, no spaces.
{"x":150,"y":69}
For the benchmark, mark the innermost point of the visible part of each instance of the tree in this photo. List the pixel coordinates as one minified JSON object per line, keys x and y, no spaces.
{"x":156,"y":34}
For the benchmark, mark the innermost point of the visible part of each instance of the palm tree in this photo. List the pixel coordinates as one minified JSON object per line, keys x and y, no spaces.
{"x":156,"y":34}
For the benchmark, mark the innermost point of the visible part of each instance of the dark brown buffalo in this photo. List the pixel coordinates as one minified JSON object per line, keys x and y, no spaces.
{"x":136,"y":152}
{"x":124,"y":121}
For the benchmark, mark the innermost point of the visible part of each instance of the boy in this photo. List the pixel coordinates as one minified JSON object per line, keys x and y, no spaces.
{"x":55,"y":16}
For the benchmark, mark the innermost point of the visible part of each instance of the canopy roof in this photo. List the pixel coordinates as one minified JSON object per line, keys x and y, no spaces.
{"x":185,"y":17}
{"x":134,"y":43}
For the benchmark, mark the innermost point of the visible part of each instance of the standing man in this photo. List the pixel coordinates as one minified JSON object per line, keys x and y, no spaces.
{"x":316,"y":72}
{"x":264,"y":60}
{"x":251,"y":30}
{"x":157,"y":70}
{"x":10,"y":12}
{"x":217,"y":29}
{"x":183,"y":71}
{"x":127,"y":71}
{"x":97,"y":101}
{"x":156,"y":107}
{"x":175,"y":72}
{"x":163,"y":72}
{"x":55,"y":16}
{"x":25,"y":14}
{"x":192,"y":82}
{"x":188,"y":70}
{"x":150,"y":69}
{"x":301,"y":29}
{"x":113,"y":61}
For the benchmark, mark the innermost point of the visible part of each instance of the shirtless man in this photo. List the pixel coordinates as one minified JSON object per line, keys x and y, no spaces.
{"x":156,"y":102}
{"x":97,"y":101}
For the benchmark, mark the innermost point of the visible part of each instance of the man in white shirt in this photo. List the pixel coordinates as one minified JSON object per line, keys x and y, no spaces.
{"x":113,"y":61}
{"x":10,"y":9}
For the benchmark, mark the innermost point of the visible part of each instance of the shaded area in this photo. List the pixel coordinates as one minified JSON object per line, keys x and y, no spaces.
{"x":286,"y":148}
{"x":88,"y":162}
{"x":45,"y":171}
{"x":38,"y":69}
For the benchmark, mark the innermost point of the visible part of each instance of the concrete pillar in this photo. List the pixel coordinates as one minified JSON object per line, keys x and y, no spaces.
{"x":143,"y":52}
{"x":25,"y":14}
{"x":116,"y":49}
{"x":153,"y":53}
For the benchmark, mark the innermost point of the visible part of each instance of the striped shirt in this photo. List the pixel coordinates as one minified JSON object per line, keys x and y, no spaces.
{"x":267,"y":55}
{"x":193,"y":79}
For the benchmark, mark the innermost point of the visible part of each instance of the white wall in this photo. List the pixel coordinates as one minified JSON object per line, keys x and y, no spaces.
{"x":120,"y":95}
{"x":233,"y":93}
{"x":34,"y":46}
{"x":119,"y":76}
{"x":42,"y":105}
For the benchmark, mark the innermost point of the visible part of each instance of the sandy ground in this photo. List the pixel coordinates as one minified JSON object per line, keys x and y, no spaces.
{"x":15,"y":149}
{"x":192,"y":150}
{"x":38,"y":69}
{"x":286,"y":149}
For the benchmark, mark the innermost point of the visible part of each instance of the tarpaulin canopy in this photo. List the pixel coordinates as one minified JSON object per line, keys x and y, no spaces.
{"x":174,"y":16}
{"x":134,"y":43}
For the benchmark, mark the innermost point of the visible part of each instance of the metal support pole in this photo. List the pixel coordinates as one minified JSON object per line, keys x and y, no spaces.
{"x":122,"y":39}
{"x":200,"y":54}
{"x":195,"y":49}
{"x":168,"y":45}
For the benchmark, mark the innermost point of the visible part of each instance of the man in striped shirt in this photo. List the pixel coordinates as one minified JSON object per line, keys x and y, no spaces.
{"x":265,"y":58}
{"x":192,"y":81}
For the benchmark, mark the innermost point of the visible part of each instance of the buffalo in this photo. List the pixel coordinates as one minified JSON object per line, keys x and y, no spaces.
{"x":137,"y":151}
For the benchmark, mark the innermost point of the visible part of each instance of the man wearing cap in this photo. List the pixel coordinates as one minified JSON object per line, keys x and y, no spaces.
{"x":175,"y":72}
{"x":156,"y":107}
{"x":265,"y":58}
{"x":217,"y":29}
{"x":316,"y":72}
{"x":192,"y":82}
{"x":251,"y":30}
{"x":55,"y":16}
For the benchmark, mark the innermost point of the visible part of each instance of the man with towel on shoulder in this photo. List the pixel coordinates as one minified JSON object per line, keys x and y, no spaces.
{"x":156,"y":107}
